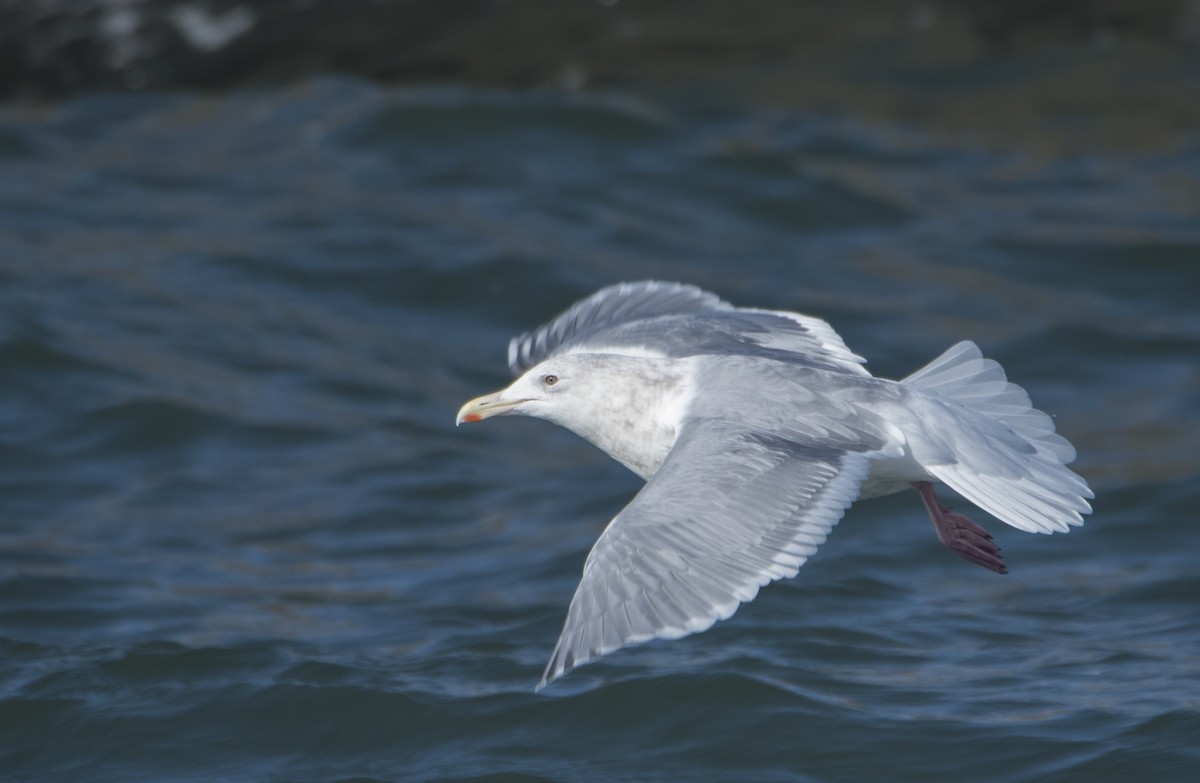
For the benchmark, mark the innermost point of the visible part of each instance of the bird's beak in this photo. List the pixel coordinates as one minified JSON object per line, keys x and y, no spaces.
{"x":485,"y":407}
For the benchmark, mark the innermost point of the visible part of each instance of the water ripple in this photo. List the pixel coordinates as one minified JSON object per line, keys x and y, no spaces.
{"x":241,"y":538}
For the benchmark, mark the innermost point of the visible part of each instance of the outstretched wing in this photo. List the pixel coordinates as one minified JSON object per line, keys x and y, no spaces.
{"x":729,"y":511}
{"x":672,"y":320}
{"x":608,"y":307}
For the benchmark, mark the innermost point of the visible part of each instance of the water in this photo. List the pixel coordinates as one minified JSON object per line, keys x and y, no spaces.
{"x":240,"y":538}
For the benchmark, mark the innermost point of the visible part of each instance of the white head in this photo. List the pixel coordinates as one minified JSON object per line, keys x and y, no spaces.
{"x":629,"y":406}
{"x":541,"y":391}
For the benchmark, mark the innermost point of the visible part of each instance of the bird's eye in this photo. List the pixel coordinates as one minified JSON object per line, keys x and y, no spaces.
{"x":549,"y":380}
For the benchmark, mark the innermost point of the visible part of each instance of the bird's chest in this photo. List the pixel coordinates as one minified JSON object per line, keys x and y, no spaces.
{"x":638,"y":443}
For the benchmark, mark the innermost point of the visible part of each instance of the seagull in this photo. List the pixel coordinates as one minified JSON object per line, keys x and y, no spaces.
{"x":754,"y":431}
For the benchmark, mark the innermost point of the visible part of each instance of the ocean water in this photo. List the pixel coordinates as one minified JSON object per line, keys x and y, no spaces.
{"x":241,"y":538}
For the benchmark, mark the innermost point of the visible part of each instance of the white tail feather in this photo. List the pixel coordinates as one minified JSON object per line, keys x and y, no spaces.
{"x":962,"y":374}
{"x":1021,"y":476}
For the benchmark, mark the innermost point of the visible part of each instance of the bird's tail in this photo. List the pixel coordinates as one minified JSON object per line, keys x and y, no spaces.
{"x":1008,"y":459}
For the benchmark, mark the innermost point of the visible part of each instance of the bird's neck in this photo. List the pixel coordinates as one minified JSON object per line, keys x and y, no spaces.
{"x":635,"y":415}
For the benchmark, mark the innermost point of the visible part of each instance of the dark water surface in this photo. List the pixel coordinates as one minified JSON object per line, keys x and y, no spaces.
{"x":241,"y":539}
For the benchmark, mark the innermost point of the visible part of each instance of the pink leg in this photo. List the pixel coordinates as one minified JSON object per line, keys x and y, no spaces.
{"x":959,"y":534}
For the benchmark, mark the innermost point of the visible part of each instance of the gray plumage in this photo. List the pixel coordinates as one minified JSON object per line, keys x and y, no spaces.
{"x":755,"y":430}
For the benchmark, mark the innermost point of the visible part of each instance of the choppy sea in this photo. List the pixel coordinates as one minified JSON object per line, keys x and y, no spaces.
{"x":241,"y":538}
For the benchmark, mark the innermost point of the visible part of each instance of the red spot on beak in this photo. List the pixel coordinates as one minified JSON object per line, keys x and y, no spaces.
{"x":472,"y":417}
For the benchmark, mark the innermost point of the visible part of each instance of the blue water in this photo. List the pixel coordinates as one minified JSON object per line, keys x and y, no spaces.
{"x":241,"y":539}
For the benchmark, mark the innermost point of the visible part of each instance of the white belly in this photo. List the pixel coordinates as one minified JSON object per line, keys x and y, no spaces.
{"x":889,"y":476}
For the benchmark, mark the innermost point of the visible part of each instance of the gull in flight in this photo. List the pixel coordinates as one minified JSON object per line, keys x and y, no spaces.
{"x":754,"y":431}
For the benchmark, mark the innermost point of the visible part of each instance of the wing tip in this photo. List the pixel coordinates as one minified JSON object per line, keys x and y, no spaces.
{"x":613,"y":304}
{"x":553,"y":672}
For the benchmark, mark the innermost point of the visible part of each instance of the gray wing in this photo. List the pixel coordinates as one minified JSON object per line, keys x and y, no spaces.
{"x":673,"y":320}
{"x":608,"y":307}
{"x":729,"y":511}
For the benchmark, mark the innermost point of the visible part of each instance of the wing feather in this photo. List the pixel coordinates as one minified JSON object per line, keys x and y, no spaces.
{"x":724,"y":515}
{"x":671,"y":320}
{"x":608,"y":307}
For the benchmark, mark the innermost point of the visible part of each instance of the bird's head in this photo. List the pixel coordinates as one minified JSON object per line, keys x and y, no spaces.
{"x":628,"y":406}
{"x":536,"y":393}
